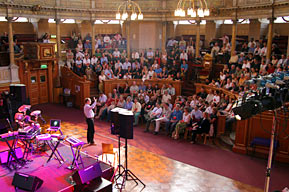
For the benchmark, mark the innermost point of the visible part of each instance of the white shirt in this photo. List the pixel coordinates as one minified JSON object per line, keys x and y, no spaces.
{"x":79,"y":54}
{"x":150,"y":54}
{"x":93,"y":60}
{"x":263,"y":51}
{"x":156,"y":112}
{"x":106,"y":39}
{"x":101,"y":78}
{"x":102,"y":99}
{"x":125,"y":65}
{"x":184,"y":56}
{"x":86,"y":61}
{"x":117,"y":65}
{"x":246,"y":65}
{"x":151,"y":73}
{"x":166,"y":98}
{"x":88,"y":112}
{"x":116,"y":54}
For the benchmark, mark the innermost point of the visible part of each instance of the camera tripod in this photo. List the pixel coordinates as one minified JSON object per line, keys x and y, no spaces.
{"x":126,"y":174}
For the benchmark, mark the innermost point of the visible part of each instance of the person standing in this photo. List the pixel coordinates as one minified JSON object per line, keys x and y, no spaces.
{"x":89,"y":114}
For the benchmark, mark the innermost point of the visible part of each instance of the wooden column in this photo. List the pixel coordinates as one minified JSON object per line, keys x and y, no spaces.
{"x":164,"y":35}
{"x":58,"y":38}
{"x":127,"y":23}
{"x":198,"y":38}
{"x":92,"y":38}
{"x":50,"y":81}
{"x":288,"y":45}
{"x":11,"y":43}
{"x":233,"y":41}
{"x":270,"y":37}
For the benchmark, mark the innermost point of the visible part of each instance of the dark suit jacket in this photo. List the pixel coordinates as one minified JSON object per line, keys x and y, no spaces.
{"x":204,"y":125}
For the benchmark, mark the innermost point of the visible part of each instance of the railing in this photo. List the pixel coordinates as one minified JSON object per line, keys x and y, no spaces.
{"x":208,"y":87}
{"x":79,"y":86}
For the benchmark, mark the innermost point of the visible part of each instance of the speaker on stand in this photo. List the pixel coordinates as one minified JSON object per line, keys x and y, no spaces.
{"x":125,"y":119}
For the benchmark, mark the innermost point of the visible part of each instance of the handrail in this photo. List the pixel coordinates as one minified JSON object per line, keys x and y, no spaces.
{"x":208,"y":87}
{"x":68,"y":72}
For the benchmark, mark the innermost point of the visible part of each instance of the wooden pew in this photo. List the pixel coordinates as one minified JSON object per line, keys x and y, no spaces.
{"x":208,"y":88}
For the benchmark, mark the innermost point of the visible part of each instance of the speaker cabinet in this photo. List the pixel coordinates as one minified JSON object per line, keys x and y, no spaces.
{"x":126,"y":126}
{"x":19,"y":92}
{"x":26,"y":182}
{"x":85,"y":175}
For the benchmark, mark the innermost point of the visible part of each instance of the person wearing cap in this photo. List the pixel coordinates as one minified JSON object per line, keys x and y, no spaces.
{"x":175,"y":117}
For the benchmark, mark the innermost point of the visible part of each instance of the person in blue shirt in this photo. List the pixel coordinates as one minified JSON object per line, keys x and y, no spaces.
{"x":103,"y":59}
{"x":142,"y":86}
{"x":184,"y":66}
{"x":158,"y":70}
{"x":128,"y":103}
{"x":175,"y":117}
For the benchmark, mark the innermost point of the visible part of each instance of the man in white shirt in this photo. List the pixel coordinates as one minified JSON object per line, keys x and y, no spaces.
{"x":79,"y":54}
{"x":126,"y":64}
{"x":116,"y":54}
{"x":89,"y":114}
{"x":166,"y":97}
{"x":150,"y":55}
{"x":94,"y":60}
{"x":154,"y":114}
{"x":86,"y":61}
{"x":117,"y":65}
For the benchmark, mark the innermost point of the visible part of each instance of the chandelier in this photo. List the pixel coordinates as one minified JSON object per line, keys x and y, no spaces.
{"x":195,"y":8}
{"x":125,"y":7}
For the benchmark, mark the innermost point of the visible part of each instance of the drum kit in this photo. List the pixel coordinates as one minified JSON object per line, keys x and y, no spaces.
{"x":29,"y":135}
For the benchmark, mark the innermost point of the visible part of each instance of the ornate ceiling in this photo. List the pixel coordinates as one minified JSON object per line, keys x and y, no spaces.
{"x":152,"y":9}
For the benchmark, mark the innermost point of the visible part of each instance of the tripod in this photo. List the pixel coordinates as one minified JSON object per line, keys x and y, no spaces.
{"x":126,"y":174}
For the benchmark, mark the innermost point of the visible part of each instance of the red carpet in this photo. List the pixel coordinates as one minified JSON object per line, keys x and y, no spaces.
{"x":229,"y":164}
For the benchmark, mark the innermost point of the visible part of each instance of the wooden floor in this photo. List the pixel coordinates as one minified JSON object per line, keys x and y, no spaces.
{"x":160,"y":173}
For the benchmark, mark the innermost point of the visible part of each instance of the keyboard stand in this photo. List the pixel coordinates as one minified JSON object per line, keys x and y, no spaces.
{"x":54,"y":151}
{"x":76,"y":157}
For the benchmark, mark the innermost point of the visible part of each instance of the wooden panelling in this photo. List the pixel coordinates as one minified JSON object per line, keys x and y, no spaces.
{"x":261,"y":126}
{"x":79,"y":86}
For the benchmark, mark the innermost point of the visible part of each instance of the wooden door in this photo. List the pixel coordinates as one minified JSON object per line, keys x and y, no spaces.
{"x":43,"y":85}
{"x":34,"y":87}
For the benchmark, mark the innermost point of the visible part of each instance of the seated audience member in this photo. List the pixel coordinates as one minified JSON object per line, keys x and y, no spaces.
{"x":136,"y":109}
{"x":182,"y":124}
{"x":166,"y":113}
{"x":142,"y":87}
{"x":175,"y":117}
{"x":134,"y":88}
{"x":126,"y":89}
{"x":128,"y":103}
{"x":103,"y":110}
{"x":202,"y":93}
{"x":213,"y":121}
{"x":166,"y":97}
{"x":120,"y":103}
{"x":196,"y":114}
{"x":171,"y":90}
{"x":152,"y":115}
{"x":234,"y":58}
{"x":210,"y":96}
{"x":203,"y":126}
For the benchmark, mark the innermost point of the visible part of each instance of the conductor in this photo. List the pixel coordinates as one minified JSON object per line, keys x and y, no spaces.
{"x":89,"y":114}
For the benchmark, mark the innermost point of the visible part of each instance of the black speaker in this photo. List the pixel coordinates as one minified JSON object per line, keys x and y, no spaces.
{"x":126,"y":125}
{"x":115,"y":124}
{"x":19,"y":92}
{"x":26,"y":182}
{"x":83,"y":176}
